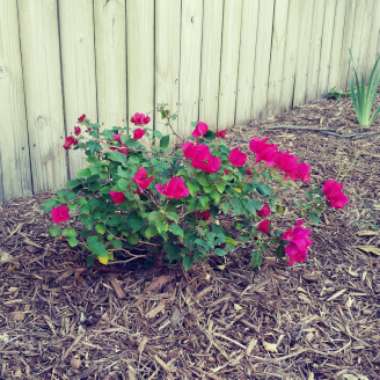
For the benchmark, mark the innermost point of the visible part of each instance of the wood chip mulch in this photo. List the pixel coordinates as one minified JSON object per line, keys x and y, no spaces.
{"x":221,"y":320}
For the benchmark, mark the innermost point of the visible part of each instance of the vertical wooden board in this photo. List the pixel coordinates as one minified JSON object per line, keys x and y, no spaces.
{"x":247,"y":60}
{"x":262,"y":58}
{"x":78,"y":67}
{"x":336,"y":48}
{"x":290,"y":59}
{"x":327,"y":39}
{"x":191,"y":39}
{"x":315,"y":48}
{"x":365,"y":57}
{"x":360,"y":23}
{"x":15,"y":177}
{"x":167,"y":57}
{"x":304,"y":51}
{"x":210,"y":65}
{"x":43,"y":91}
{"x":140,"y":61}
{"x":370,"y":55}
{"x":277,"y":55}
{"x":348,"y":34}
{"x":111,"y":67}
{"x":229,"y":63}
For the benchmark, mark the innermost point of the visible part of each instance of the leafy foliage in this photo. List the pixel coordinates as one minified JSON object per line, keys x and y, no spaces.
{"x":363,"y":95}
{"x":189,"y":201}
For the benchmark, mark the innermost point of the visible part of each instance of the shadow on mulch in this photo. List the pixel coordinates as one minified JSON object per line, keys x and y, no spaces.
{"x":315,"y":321}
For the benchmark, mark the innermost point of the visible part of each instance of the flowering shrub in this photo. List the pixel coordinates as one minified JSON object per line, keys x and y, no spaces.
{"x":186,"y":202}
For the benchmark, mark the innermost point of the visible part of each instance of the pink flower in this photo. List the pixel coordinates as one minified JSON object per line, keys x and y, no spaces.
{"x":77,"y":130}
{"x":288,"y":164}
{"x":237,"y":157}
{"x":299,"y":242}
{"x":334,"y":194}
{"x":69,"y":142}
{"x":117,"y":137}
{"x":123,"y":150}
{"x":200,"y":129}
{"x":193,"y":151}
{"x":201,"y":157}
{"x":117,"y":197}
{"x":60,"y":214}
{"x":141,"y":179}
{"x":140,"y":119}
{"x":82,"y":118}
{"x":264,"y":226}
{"x":204,"y":215}
{"x":138,"y":133}
{"x":303,"y":172}
{"x":263,"y":151}
{"x":264,"y":211}
{"x":174,"y":189}
{"x":210,"y":164}
{"x":221,"y":134}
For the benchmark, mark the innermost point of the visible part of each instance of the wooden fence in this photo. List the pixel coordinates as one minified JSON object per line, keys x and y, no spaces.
{"x":223,"y":61}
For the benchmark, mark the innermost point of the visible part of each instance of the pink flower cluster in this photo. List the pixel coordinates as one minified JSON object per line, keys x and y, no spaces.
{"x":334,"y":194}
{"x":287,"y":162}
{"x":142,"y":180}
{"x":60,"y":214}
{"x":175,"y":188}
{"x":298,"y":243}
{"x":140,"y":119}
{"x":201,"y":157}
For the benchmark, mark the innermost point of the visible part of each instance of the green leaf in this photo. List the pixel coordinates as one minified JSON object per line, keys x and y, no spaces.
{"x":220,"y":186}
{"x":187,"y":262}
{"x":117,"y":244}
{"x":49,"y":204}
{"x":96,"y":246}
{"x":256,"y":259}
{"x":263,"y":189}
{"x":150,"y":232}
{"x":164,"y":142}
{"x":204,"y":202}
{"x":193,"y":188}
{"x":54,"y":231}
{"x":175,"y":229}
{"x":215,"y":197}
{"x":117,"y":157}
{"x":221,"y":252}
{"x":69,"y":233}
{"x":135,"y":222}
{"x":72,"y":241}
{"x":100,"y":229}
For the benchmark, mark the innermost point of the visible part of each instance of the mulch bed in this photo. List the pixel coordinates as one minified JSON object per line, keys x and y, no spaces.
{"x":221,"y":320}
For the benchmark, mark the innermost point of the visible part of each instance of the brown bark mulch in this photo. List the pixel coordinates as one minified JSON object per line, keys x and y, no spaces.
{"x":221,"y":320}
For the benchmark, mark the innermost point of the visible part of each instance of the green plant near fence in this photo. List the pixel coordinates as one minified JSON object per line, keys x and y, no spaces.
{"x":364,"y":94}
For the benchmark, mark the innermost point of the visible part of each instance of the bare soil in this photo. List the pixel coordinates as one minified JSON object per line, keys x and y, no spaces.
{"x":320,"y":320}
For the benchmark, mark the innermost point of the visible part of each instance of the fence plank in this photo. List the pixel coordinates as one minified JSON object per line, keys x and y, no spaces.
{"x":247,"y":60}
{"x":336,"y":48}
{"x":111,"y":69}
{"x":304,"y":40}
{"x":15,"y":177}
{"x":262,"y":60}
{"x":210,"y":65}
{"x":167,"y":53}
{"x":327,"y":39}
{"x":191,"y":38}
{"x":277,"y":55}
{"x":290,"y":60}
{"x":140,"y":42}
{"x":315,"y":48}
{"x":78,"y":67}
{"x":348,"y":34}
{"x":43,"y":91}
{"x":229,"y":63}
